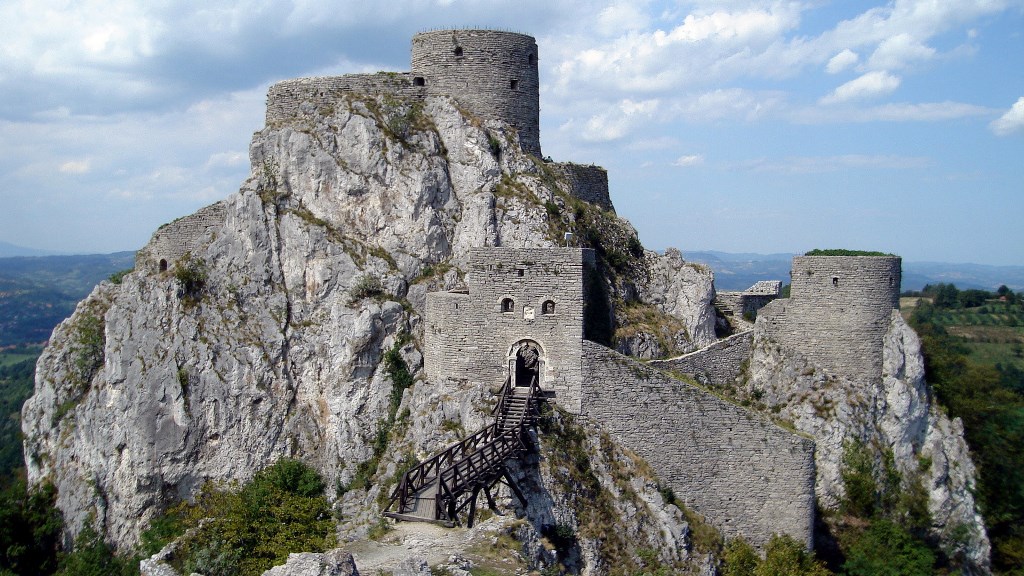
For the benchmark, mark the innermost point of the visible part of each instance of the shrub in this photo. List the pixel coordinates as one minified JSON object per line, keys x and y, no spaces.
{"x":784,"y":556}
{"x":494,"y":144}
{"x":30,"y":529}
{"x":859,"y":481}
{"x":886,"y":549}
{"x":739,"y":558}
{"x":245,"y":532}
{"x":118,"y":276}
{"x":92,"y":556}
{"x":191,"y":274}
{"x":844,"y":252}
{"x":366,"y":287}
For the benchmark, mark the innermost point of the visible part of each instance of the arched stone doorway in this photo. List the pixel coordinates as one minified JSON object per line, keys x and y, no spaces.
{"x":526,"y":363}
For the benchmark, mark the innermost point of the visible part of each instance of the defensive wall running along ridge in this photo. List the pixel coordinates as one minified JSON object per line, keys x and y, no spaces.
{"x":744,"y":473}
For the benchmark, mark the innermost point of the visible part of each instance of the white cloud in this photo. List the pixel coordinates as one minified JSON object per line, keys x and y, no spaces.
{"x":622,"y":17}
{"x":615,"y":122}
{"x":689,"y":160}
{"x":899,"y":51}
{"x":870,"y":85}
{"x":1010,"y":122}
{"x":660,"y":143}
{"x":75,"y":167}
{"x":227,"y":159}
{"x":822,"y":164}
{"x":726,"y":103}
{"x":897,"y":112}
{"x":842,"y":61}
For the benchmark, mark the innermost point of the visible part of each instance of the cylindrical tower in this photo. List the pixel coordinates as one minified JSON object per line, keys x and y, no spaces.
{"x":838,"y":311}
{"x":491,"y":73}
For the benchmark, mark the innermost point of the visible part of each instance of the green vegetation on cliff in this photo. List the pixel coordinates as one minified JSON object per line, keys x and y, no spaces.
{"x":245,"y":531}
{"x":977,"y":376}
{"x":844,"y":252}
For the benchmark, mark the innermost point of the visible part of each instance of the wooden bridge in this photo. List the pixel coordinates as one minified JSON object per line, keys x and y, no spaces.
{"x":442,"y":487}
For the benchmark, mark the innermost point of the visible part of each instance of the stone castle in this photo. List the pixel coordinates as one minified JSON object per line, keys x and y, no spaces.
{"x":745,"y":474}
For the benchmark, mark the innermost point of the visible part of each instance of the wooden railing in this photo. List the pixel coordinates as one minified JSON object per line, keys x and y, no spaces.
{"x":471,"y":464}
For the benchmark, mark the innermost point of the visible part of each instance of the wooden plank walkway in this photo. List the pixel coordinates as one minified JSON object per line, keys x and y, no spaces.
{"x":442,"y":487}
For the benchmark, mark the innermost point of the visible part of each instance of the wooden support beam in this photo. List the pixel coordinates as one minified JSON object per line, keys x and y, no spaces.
{"x":512,"y":484}
{"x":472,"y":507}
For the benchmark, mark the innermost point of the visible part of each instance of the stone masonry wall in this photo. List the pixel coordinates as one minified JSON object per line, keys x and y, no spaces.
{"x":469,"y":336}
{"x":718,"y":365}
{"x":750,"y":300}
{"x":284,"y":99}
{"x":171,"y":241}
{"x":838,"y":311}
{"x":492,"y":73}
{"x":588,"y":183}
{"x":746,"y":475}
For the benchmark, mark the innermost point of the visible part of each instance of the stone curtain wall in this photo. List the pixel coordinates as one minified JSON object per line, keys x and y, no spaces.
{"x":478,"y":68}
{"x":285,"y":99}
{"x":171,"y":241}
{"x":838,"y":311}
{"x":750,"y":300}
{"x":746,"y":475}
{"x":588,"y":183}
{"x":469,"y":336}
{"x":730,"y":303}
{"x":719,"y":364}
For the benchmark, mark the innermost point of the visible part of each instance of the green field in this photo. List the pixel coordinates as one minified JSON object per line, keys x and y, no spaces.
{"x":13,"y":356}
{"x":993,"y":333}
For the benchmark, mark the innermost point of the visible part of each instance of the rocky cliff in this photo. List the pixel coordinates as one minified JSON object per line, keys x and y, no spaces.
{"x":266,"y":337}
{"x":895,"y":417}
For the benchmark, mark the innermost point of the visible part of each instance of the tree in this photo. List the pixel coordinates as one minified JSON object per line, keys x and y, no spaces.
{"x":885,"y":549}
{"x":784,"y":556}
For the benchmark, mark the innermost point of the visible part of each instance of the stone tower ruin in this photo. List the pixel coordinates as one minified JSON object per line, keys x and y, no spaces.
{"x":838,"y":311}
{"x":493,"y":74}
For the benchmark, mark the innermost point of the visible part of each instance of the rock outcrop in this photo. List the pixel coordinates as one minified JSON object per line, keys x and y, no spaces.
{"x":895,"y":414}
{"x":265,"y":338}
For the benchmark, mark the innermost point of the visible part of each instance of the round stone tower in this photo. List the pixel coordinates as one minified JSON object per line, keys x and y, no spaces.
{"x":493,"y":74}
{"x":838,"y":311}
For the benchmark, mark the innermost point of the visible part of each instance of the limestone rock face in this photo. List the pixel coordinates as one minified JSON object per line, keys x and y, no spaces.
{"x":267,"y":339}
{"x":683,"y":290}
{"x":333,"y":563}
{"x":895,"y":413}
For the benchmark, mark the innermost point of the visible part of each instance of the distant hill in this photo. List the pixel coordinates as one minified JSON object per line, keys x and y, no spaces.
{"x":36,"y":293}
{"x":8,"y":250}
{"x":737,"y":271}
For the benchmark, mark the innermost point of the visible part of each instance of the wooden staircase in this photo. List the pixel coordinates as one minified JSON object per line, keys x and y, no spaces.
{"x":440,"y":488}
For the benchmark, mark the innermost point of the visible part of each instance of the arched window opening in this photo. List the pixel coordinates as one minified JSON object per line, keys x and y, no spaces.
{"x":458,"y":51}
{"x":163,"y":265}
{"x":548,"y":308}
{"x":835,"y":281}
{"x":507,"y":305}
{"x":533,"y":59}
{"x":419,"y":81}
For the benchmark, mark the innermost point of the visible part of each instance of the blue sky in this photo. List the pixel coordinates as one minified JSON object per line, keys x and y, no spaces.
{"x":734,"y":125}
